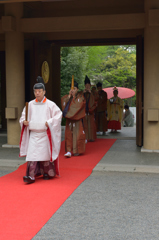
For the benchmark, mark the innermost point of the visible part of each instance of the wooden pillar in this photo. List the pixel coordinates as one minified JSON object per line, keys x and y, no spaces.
{"x":3,"y":90}
{"x":139,"y":91}
{"x":14,"y":47}
{"x":151,"y":77}
{"x":56,"y":75}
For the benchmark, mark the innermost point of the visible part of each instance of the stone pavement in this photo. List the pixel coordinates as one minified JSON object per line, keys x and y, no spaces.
{"x":108,"y":206}
{"x":118,"y":201}
{"x":9,"y":157}
{"x":123,"y":156}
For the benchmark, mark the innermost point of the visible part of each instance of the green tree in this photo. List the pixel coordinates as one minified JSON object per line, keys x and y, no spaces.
{"x":73,"y":62}
{"x":112,"y":65}
{"x":120,"y":70}
{"x":96,"y":56}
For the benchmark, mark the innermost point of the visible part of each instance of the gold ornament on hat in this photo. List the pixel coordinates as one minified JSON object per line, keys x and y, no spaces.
{"x":45,"y":71}
{"x":115,"y":88}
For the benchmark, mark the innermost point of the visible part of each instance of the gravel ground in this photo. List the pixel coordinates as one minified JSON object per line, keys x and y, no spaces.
{"x":112,"y":205}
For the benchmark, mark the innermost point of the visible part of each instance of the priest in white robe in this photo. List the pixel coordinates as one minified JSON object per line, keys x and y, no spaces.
{"x":40,"y":139}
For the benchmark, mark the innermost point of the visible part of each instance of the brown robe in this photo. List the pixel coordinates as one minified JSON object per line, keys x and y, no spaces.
{"x":74,"y":132}
{"x":96,"y":96}
{"x":89,"y":119}
{"x":101,"y":119}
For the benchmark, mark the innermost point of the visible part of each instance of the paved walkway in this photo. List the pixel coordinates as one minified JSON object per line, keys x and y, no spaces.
{"x":108,"y":206}
{"x":123,"y":156}
{"x":126,"y":156}
{"x":119,"y":201}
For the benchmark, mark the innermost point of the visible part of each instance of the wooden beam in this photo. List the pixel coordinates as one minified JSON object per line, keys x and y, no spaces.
{"x":83,"y":23}
{"x":154,"y":17}
{"x":17,"y":1}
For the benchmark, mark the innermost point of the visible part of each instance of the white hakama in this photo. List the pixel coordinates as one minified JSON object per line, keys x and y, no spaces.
{"x":38,"y":148}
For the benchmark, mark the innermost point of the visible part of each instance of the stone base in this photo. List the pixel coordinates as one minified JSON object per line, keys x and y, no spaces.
{"x":10,"y":146}
{"x":149,"y":150}
{"x":126,"y":168}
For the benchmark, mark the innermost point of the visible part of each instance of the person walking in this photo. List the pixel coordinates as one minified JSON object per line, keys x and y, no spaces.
{"x":73,"y":107}
{"x":101,"y":119}
{"x":89,"y":119}
{"x":40,"y":135}
{"x":115,"y":111}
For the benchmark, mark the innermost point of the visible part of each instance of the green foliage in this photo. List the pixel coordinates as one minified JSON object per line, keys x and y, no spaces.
{"x":120,"y":69}
{"x":73,"y":62}
{"x":112,"y":65}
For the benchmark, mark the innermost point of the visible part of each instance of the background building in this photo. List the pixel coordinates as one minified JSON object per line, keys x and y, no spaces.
{"x":33,"y":31}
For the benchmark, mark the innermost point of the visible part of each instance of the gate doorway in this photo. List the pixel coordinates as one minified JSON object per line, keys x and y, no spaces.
{"x":139,"y":72}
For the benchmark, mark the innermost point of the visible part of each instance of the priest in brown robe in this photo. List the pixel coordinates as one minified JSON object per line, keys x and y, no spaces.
{"x":101,"y":119}
{"x":73,"y":107}
{"x":96,"y":96}
{"x":89,"y":119}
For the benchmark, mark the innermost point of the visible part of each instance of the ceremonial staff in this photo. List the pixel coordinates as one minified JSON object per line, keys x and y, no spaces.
{"x":72,"y":84}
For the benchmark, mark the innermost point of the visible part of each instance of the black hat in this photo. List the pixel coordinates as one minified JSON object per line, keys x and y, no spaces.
{"x":99,"y":84}
{"x":87,"y":80}
{"x":126,"y":106}
{"x":40,"y":84}
{"x":75,"y":84}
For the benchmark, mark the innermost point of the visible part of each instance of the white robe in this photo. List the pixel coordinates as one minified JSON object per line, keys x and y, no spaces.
{"x":128,"y":119}
{"x":35,"y":143}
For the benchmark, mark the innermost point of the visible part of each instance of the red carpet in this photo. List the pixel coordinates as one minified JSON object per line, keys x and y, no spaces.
{"x":24,"y":209}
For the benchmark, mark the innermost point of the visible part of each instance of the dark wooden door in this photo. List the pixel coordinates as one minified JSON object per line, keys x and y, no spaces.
{"x":139,"y":91}
{"x":3,"y":121}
